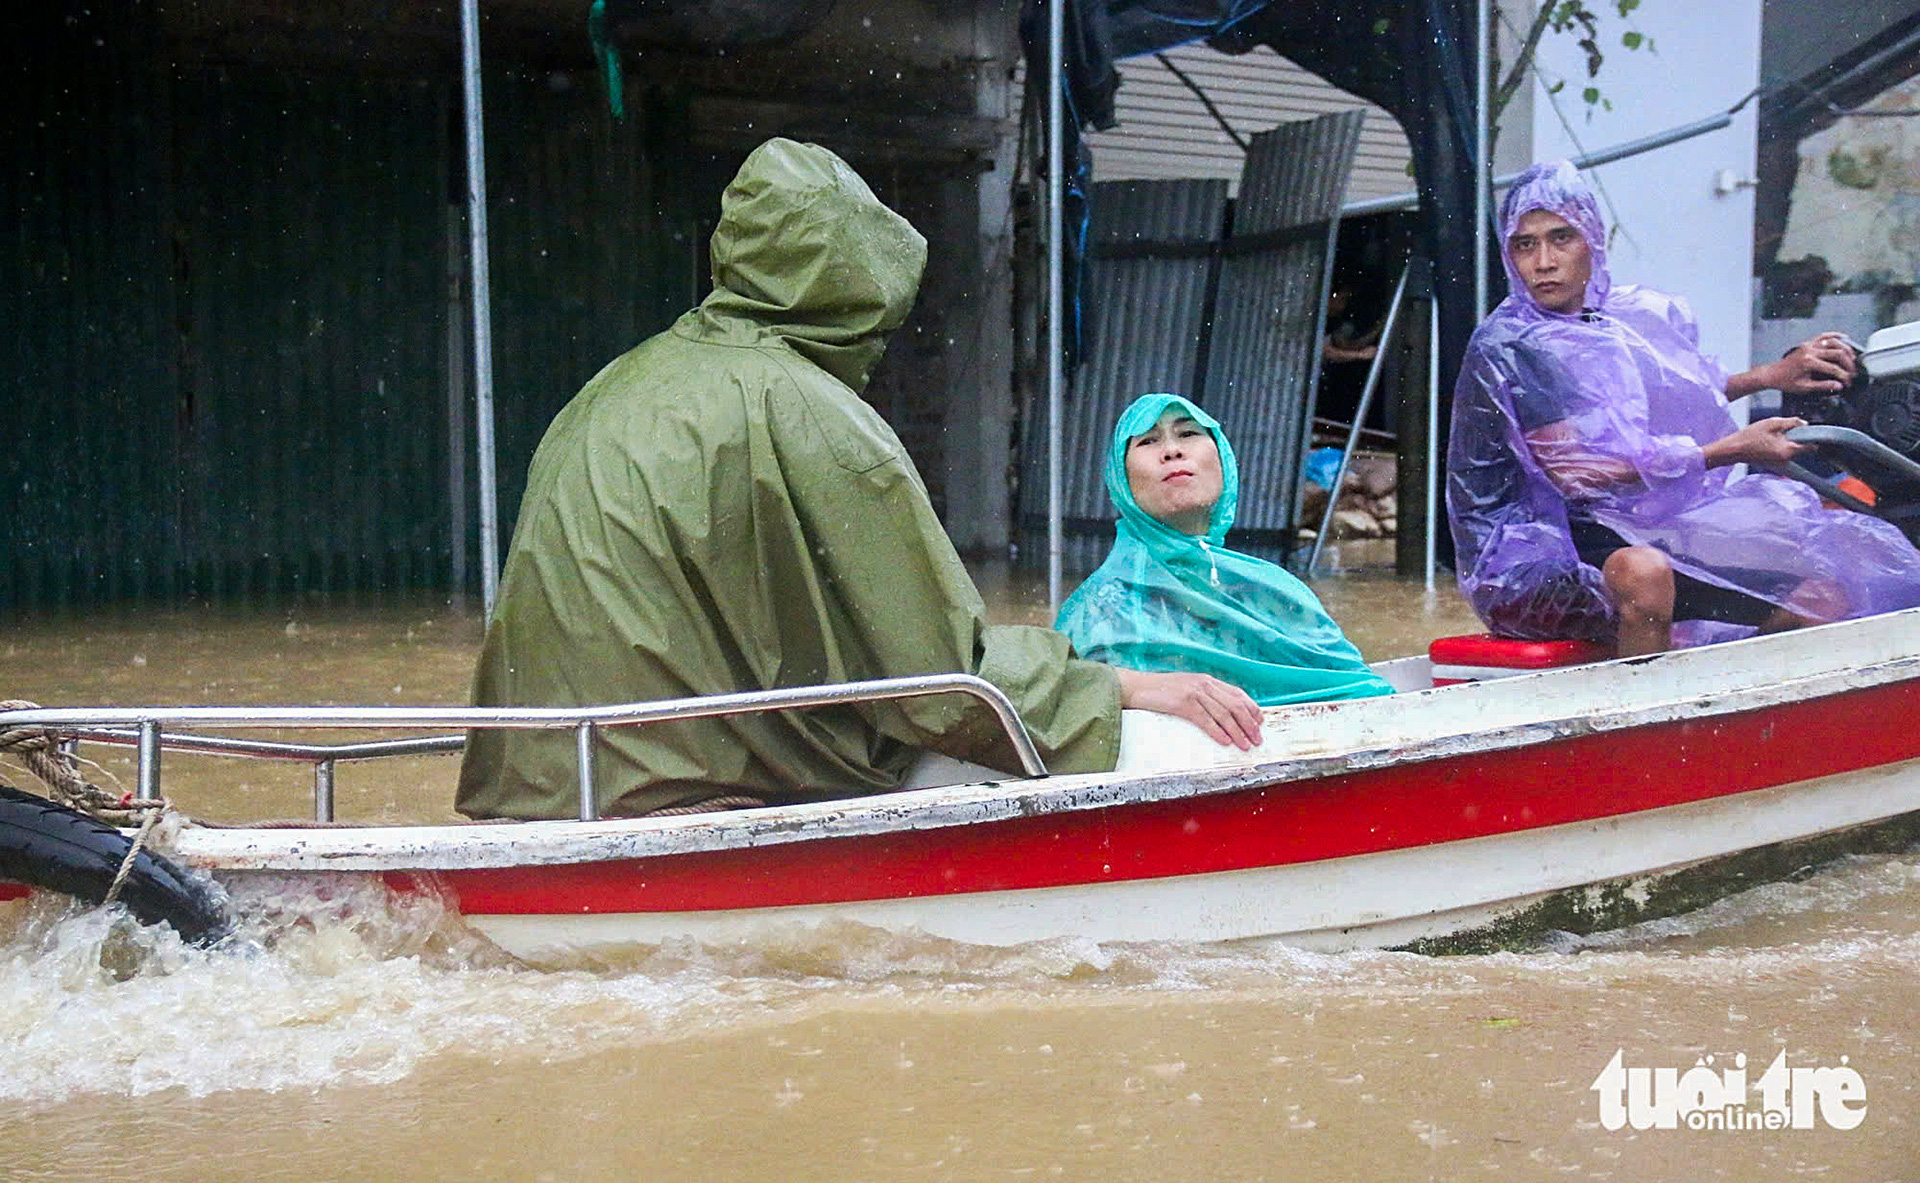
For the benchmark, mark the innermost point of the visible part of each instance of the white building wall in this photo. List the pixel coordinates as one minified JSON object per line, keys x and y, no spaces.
{"x":1671,"y":229}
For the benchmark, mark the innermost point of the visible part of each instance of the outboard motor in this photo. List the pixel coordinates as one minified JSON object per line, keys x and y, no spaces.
{"x":1871,"y":429}
{"x":1884,"y":400}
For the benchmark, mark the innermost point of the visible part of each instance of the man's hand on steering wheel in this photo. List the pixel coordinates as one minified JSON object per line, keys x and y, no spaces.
{"x":1761,"y":442}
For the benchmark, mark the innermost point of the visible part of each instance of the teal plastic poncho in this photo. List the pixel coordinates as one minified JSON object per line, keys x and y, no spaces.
{"x":1167,"y":601}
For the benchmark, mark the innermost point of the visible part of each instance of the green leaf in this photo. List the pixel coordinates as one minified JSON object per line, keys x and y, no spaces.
{"x":1500,"y":1021}
{"x":1381,"y":26}
{"x":1557,"y":87}
{"x":1627,"y":6}
{"x":1631,"y":40}
{"x":1591,"y":94}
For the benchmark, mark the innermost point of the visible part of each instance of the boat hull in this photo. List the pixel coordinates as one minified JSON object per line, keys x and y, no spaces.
{"x":1396,"y":856}
{"x":1383,"y":822}
{"x":1311,"y":907}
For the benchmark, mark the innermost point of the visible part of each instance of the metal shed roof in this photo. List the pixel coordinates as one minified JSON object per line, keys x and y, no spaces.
{"x":1166,"y":132}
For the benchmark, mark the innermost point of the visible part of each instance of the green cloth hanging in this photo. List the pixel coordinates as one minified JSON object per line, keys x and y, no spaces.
{"x":608,"y":57}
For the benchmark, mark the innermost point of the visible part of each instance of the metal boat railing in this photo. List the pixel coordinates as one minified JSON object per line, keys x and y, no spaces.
{"x":142,"y":727}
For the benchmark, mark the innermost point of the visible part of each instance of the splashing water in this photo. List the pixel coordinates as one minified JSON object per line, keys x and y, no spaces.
{"x":341,"y":980}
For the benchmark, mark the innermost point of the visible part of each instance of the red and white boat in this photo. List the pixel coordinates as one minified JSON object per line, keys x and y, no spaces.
{"x":1563,"y":798}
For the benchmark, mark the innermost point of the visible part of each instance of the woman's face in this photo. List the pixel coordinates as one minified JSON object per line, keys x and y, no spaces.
{"x":1173,"y":470}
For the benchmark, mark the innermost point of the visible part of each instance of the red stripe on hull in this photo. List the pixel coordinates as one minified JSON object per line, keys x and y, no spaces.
{"x":13,"y":891}
{"x":1468,"y":796}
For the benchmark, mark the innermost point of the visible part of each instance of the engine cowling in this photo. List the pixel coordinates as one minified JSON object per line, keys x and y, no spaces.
{"x":1884,"y":399}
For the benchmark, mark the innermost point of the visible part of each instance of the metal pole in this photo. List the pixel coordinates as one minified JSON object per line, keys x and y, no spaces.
{"x":1359,"y":417}
{"x":583,"y":761}
{"x":1659,"y":139}
{"x":323,"y":791}
{"x":1056,"y":335}
{"x":1433,"y":433}
{"x":481,"y":297}
{"x":459,"y":549}
{"x":149,"y":766}
{"x":1482,"y":167}
{"x":1381,"y":205}
{"x":1313,"y":397}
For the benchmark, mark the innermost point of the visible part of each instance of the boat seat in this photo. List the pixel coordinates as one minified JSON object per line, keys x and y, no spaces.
{"x":1150,"y":742}
{"x":1477,"y":657}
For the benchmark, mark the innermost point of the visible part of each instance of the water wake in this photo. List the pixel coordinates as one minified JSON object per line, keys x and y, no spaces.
{"x":342,"y":981}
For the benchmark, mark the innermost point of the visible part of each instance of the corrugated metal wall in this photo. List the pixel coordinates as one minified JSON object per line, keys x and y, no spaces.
{"x":233,"y":335}
{"x":1147,"y":309}
{"x":1236,"y":326}
{"x":86,"y":317}
{"x":309,"y":273}
{"x":1164,"y":130}
{"x":1264,"y":364}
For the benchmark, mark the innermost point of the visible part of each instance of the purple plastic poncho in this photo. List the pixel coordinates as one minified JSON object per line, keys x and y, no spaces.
{"x":1623,"y":385}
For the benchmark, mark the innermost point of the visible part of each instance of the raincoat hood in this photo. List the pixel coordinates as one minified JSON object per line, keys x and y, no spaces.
{"x":1558,"y":189}
{"x":1139,"y":419}
{"x":805,"y":252}
{"x":1172,"y":602}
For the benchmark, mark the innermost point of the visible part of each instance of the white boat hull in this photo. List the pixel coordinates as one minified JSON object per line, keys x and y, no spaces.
{"x":1385,"y":900}
{"x":1381,"y":822}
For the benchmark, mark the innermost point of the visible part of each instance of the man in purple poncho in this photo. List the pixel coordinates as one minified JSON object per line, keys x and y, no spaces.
{"x":1589,"y":480}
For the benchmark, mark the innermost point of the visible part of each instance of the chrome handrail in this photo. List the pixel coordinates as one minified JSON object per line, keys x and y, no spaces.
{"x":111,"y":725}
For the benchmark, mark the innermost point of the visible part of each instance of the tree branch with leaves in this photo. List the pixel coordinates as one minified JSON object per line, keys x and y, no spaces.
{"x":1563,"y":17}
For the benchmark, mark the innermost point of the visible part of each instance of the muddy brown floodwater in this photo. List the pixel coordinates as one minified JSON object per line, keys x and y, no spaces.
{"x":363,"y":1036}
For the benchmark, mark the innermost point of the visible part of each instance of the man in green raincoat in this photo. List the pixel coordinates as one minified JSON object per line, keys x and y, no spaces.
{"x":717,"y":511}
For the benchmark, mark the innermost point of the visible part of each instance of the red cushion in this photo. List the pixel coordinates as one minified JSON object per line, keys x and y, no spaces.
{"x":1485,"y":649}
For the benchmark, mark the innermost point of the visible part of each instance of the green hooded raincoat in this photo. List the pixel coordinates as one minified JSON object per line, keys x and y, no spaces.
{"x":718,"y":511}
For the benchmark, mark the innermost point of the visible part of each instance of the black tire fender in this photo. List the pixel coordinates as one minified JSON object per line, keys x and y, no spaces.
{"x":46,"y":845}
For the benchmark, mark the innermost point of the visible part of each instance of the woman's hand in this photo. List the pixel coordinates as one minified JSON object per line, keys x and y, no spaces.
{"x":1224,"y":712}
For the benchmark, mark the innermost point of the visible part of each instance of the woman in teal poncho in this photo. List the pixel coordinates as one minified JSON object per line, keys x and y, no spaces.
{"x":1171,"y":596}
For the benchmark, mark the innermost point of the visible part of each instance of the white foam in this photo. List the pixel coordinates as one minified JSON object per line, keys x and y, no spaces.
{"x":346,"y":982}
